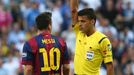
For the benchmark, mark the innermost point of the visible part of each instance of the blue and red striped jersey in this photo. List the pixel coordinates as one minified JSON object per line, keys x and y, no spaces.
{"x":46,"y":53}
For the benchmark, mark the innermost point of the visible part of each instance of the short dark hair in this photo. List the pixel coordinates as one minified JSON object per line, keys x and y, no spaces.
{"x":43,"y":20}
{"x":89,"y":12}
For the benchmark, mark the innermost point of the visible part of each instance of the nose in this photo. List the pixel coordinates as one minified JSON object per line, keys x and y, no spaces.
{"x":80,"y":24}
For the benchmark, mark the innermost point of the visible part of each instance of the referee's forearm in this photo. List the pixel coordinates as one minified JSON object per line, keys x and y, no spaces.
{"x":74,"y":8}
{"x":74,"y":4}
{"x":110,"y":72}
{"x":110,"y":69}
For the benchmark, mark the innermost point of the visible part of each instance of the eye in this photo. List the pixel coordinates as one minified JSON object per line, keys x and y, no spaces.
{"x":83,"y":21}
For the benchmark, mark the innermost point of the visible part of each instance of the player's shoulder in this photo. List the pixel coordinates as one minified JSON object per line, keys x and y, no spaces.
{"x":30,"y":44}
{"x":32,"y":41}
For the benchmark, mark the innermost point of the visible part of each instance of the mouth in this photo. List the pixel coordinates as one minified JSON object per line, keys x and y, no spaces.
{"x":81,"y":29}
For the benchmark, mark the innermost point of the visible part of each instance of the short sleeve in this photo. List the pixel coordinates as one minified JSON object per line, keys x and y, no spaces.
{"x":27,"y":55}
{"x":106,"y":50}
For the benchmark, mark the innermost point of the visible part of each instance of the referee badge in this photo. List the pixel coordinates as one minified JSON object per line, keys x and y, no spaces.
{"x":109,"y":47}
{"x":89,"y":55}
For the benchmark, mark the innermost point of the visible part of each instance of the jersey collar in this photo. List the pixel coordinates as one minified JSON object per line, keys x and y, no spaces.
{"x":46,"y":33}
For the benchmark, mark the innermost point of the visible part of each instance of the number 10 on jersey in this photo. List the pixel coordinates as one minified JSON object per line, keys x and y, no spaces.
{"x":52,"y":51}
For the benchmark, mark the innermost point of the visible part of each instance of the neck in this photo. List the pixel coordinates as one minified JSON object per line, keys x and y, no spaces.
{"x":90,"y":32}
{"x":41,"y":31}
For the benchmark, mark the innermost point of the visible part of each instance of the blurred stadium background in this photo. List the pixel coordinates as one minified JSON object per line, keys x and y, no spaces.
{"x":115,"y":18}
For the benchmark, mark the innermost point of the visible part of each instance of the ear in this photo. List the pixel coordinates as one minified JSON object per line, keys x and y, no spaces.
{"x":92,"y":21}
{"x":50,"y":27}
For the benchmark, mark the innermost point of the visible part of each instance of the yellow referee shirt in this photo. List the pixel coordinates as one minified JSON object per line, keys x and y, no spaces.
{"x":90,"y":52}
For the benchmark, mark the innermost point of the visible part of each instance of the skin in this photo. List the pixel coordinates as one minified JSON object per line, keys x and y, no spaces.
{"x":87,"y":26}
{"x":28,"y":69}
{"x":110,"y":68}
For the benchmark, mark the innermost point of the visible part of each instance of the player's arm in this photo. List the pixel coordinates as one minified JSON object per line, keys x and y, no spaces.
{"x":74,"y":13}
{"x":66,"y":58}
{"x":110,"y":68}
{"x":28,"y":70}
{"x":27,"y":59}
{"x":66,"y":69}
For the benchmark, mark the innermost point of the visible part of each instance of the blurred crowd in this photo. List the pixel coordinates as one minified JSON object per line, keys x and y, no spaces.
{"x":115,"y":18}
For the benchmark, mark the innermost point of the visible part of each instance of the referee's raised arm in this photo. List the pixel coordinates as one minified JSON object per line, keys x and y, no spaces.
{"x":74,"y":12}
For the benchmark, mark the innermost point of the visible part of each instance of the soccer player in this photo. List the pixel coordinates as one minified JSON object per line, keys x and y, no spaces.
{"x":45,"y":54}
{"x":92,"y":46}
